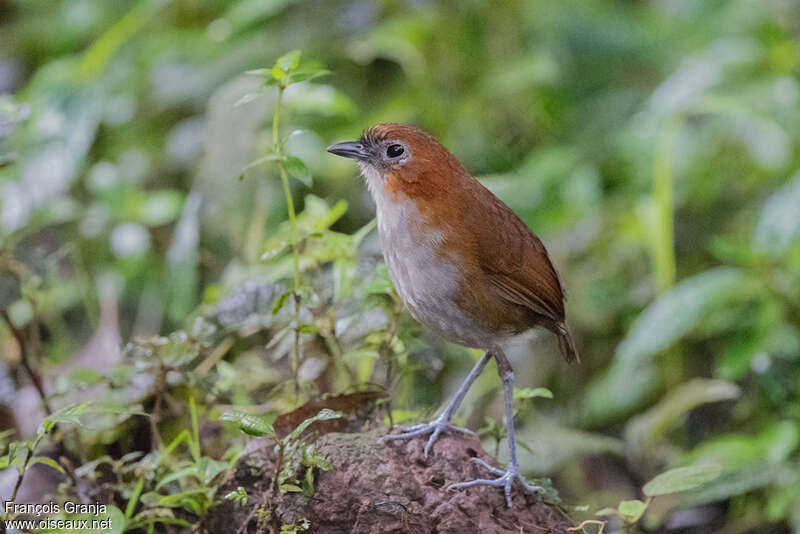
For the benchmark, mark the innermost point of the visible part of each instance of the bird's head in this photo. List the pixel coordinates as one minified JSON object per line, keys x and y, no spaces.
{"x":400,"y":158}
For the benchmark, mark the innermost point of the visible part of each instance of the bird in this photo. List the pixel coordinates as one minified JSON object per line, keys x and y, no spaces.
{"x":464,"y":264}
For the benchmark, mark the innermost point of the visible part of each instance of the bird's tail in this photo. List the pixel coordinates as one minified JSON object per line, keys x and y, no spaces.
{"x":567,"y":344}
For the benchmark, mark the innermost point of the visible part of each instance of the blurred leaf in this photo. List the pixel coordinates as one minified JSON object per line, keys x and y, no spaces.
{"x":308,"y":73}
{"x":67,"y":414}
{"x":253,"y":425}
{"x":779,"y":224}
{"x":252,"y":12}
{"x":644,"y":430}
{"x":631,"y":511}
{"x":182,"y":259}
{"x":532,"y":393}
{"x":674,"y":313}
{"x":323,"y":415}
{"x":204,"y":470}
{"x":72,"y":413}
{"x":298,"y":170}
{"x":682,"y":479}
{"x":738,"y":482}
{"x":700,"y":72}
{"x":281,"y":300}
{"x":161,"y":207}
{"x":20,"y":312}
{"x":238,"y":495}
{"x":398,"y":40}
{"x":259,"y":161}
{"x":774,"y":444}
{"x":632,"y":378}
{"x":554,"y":445}
{"x":380,"y":283}
{"x":320,"y":99}
{"x":351,"y":408}
{"x":308,"y":329}
{"x":289,"y":61}
{"x":134,"y":499}
{"x":737,"y":358}
{"x":98,"y":55}
{"x":44,"y":460}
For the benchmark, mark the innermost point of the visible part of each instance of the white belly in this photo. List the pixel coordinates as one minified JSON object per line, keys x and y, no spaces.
{"x":427,"y":282}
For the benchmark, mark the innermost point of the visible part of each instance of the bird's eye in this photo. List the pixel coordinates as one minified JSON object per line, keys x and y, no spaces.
{"x":394,"y":150}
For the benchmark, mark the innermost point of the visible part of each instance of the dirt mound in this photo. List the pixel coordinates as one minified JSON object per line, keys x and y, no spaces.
{"x":378,"y":487}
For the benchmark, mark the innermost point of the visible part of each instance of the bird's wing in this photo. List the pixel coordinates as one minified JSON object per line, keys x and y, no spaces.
{"x":515,"y":261}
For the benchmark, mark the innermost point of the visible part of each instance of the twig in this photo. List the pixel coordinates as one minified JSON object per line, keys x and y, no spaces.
{"x":334,"y":346}
{"x":25,"y":464}
{"x":243,"y":526}
{"x":216,"y":355}
{"x":601,"y":525}
{"x":69,"y":469}
{"x":287,"y":192}
{"x":24,"y":351}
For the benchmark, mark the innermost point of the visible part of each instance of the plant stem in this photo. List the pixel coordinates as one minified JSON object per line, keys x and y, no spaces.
{"x":287,"y":191}
{"x":28,"y":457}
{"x":25,"y":359}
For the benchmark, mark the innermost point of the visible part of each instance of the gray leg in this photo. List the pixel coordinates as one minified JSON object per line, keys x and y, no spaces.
{"x":441,"y":423}
{"x":506,"y":478}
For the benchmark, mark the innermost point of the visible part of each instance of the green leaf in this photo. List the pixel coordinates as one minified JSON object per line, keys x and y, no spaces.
{"x":633,"y":377}
{"x":737,"y":483}
{"x":682,"y":479}
{"x":20,"y":312}
{"x":644,"y":430}
{"x":266,"y":73}
{"x":632,"y":511}
{"x":308,"y":329}
{"x":779,"y":224}
{"x":309,"y":75}
{"x":298,"y":170}
{"x":774,"y":443}
{"x":85,"y":377}
{"x":280,"y":301}
{"x":676,"y":312}
{"x":72,"y":413}
{"x":67,"y":414}
{"x":49,"y":462}
{"x":238,"y":495}
{"x":323,"y":415}
{"x":532,"y":393}
{"x":253,"y":425}
{"x":259,"y":161}
{"x":134,"y":499}
{"x":160,"y":207}
{"x":289,"y":61}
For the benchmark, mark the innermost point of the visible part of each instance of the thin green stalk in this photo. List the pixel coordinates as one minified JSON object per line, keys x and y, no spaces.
{"x":663,"y":241}
{"x":26,"y":463}
{"x":287,"y":191}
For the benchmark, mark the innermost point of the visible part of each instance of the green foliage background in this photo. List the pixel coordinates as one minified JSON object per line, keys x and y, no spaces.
{"x":652,"y":145}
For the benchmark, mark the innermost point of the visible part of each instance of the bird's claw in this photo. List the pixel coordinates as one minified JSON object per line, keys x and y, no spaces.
{"x":434,"y":428}
{"x":505,"y":480}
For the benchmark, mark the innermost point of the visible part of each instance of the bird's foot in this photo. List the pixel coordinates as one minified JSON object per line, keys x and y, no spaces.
{"x":434,"y":428}
{"x":505,"y":480}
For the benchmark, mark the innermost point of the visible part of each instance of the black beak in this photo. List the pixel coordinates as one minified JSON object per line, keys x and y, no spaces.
{"x":349,"y":149}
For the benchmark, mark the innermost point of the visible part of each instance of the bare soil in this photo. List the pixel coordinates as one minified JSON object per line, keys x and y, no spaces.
{"x":379,"y":487}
